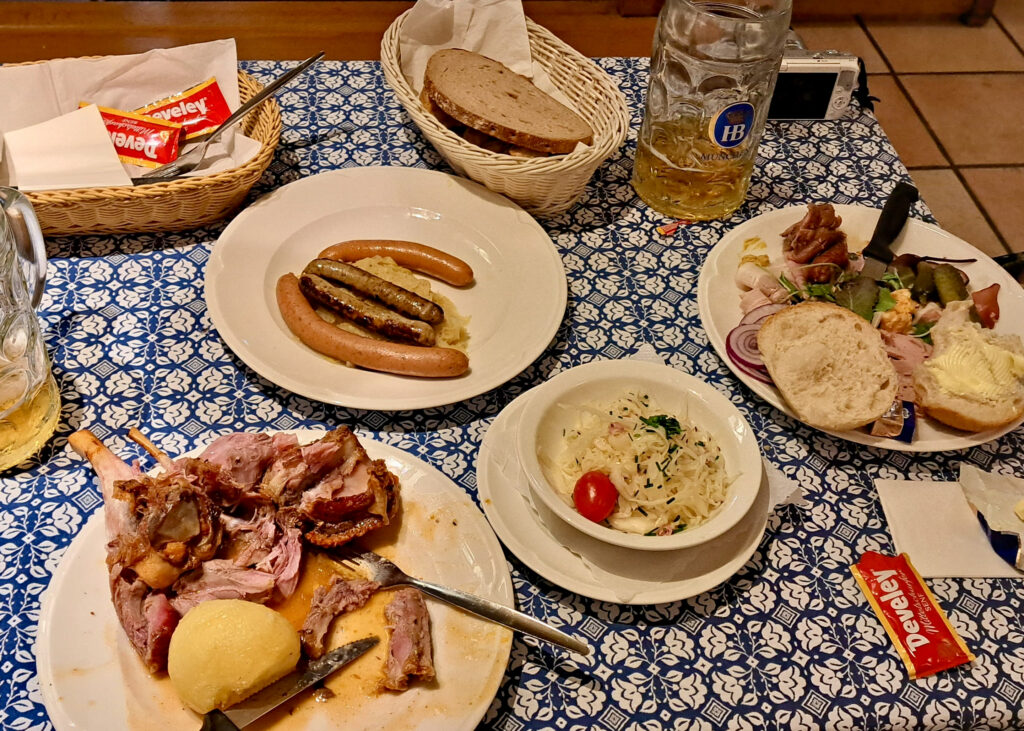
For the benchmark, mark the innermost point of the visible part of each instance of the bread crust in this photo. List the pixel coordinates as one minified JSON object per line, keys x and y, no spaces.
{"x":486,"y":115}
{"x":972,"y":414}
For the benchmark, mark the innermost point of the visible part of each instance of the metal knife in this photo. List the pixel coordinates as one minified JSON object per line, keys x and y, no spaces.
{"x":877,"y":254}
{"x":256,"y":706}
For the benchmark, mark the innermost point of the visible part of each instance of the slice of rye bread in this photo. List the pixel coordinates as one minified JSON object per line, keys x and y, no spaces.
{"x":489,"y":97}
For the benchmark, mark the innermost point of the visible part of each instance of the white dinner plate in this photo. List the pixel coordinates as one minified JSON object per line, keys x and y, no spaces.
{"x":718,"y":300}
{"x":586,"y":565}
{"x":92,"y":679}
{"x":514,"y":306}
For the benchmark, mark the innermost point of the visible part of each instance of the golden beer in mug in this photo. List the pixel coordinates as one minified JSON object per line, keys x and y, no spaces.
{"x":29,"y":397}
{"x":712,"y":74}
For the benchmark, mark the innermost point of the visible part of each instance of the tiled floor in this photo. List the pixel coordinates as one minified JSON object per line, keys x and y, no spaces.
{"x":951,"y":99}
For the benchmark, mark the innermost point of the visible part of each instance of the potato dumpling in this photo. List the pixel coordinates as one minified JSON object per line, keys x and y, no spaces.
{"x":224,"y":650}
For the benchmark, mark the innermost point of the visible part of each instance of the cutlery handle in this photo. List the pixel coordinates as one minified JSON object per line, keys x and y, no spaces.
{"x":267,"y":91}
{"x":217,"y":721}
{"x":891,"y":221}
{"x":502,"y":615}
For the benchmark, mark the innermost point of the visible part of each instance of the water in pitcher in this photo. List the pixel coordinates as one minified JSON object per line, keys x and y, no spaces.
{"x":712,"y":74}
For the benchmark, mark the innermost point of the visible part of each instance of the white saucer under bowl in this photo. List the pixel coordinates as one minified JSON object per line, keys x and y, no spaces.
{"x":586,"y":565}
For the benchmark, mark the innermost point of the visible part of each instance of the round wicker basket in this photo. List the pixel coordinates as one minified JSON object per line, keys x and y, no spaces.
{"x":544,"y":186}
{"x":172,"y":206}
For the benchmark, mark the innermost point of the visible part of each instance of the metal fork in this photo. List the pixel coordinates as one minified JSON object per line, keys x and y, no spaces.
{"x":387,"y":574}
{"x":191,"y":159}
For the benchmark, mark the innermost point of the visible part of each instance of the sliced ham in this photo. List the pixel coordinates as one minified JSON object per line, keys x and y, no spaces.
{"x":338,"y":597}
{"x":906,"y":353}
{"x":221,"y":579}
{"x":409,"y":645}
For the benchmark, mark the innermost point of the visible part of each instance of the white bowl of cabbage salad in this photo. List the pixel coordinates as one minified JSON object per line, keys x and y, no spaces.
{"x":657,"y":459}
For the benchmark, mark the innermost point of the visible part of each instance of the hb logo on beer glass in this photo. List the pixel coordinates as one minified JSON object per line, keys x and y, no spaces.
{"x":732,"y":125}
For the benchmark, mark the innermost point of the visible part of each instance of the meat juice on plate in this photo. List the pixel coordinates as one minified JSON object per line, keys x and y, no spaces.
{"x":712,"y":74}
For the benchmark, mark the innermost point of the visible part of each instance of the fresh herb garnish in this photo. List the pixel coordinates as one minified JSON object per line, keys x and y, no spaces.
{"x":885,"y":301}
{"x":892,"y":281}
{"x":663,"y":421}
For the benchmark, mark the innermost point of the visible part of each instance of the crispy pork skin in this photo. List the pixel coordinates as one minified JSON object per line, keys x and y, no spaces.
{"x":409,"y":646}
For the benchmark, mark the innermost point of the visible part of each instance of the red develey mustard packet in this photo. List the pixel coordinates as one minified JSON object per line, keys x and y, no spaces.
{"x":200,"y":109}
{"x":141,"y":140}
{"x":917,"y":626}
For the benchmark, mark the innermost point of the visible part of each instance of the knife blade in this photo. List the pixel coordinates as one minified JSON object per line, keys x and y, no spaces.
{"x":878,"y":254}
{"x":258,"y":705}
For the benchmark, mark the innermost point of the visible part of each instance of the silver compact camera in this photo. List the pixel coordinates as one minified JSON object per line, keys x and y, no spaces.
{"x":813,"y":84}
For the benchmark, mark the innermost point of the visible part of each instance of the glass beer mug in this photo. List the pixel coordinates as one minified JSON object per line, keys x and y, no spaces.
{"x":29,"y":398}
{"x":713,"y":71}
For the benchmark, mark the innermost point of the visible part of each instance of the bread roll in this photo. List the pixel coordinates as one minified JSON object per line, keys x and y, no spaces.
{"x":829,"y":364}
{"x":974,"y":379}
{"x":492,"y":99}
{"x":224,"y":650}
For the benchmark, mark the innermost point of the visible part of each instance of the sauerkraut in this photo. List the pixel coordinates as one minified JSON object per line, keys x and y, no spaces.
{"x":669,"y":472}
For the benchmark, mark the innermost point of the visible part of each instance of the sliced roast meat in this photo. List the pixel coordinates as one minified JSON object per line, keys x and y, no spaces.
{"x":409,"y":645}
{"x":244,"y":457}
{"x":221,"y":579}
{"x":285,"y":562}
{"x":248,"y":541}
{"x":147,"y":617}
{"x":829,"y":264}
{"x":338,"y":597}
{"x":817,"y":231}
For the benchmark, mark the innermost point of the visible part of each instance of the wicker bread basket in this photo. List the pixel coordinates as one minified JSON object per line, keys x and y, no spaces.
{"x":544,"y":186}
{"x":173,"y":206}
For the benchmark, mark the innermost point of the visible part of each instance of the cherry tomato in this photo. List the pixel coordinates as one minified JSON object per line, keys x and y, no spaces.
{"x":595,"y":496}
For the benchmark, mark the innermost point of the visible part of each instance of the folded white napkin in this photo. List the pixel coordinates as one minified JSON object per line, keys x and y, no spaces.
{"x":933,"y":523}
{"x":70,"y":151}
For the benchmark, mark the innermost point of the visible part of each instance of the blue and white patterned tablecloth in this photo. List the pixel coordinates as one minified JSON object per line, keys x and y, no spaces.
{"x":788,"y":643}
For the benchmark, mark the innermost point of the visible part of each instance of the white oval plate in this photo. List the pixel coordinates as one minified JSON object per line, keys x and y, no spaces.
{"x":718,"y":300}
{"x":515,"y":305}
{"x":92,"y":679}
{"x":586,"y":565}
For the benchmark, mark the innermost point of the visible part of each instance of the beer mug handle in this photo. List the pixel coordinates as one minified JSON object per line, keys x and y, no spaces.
{"x":28,"y":237}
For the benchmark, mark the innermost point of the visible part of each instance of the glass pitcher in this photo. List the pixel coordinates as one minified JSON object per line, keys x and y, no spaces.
{"x":29,"y":397}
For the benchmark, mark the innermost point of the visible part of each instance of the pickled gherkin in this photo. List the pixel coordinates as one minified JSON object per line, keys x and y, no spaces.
{"x":949,"y":284}
{"x":924,"y":282}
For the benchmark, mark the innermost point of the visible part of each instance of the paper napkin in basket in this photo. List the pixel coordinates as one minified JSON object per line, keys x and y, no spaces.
{"x":934,"y":524}
{"x":85,"y":157}
{"x":39,"y":94}
{"x":492,"y":28}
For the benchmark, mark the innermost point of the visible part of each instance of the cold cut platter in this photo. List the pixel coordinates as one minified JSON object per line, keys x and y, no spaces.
{"x":719,"y":303}
{"x":275,"y":288}
{"x":92,"y":677}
